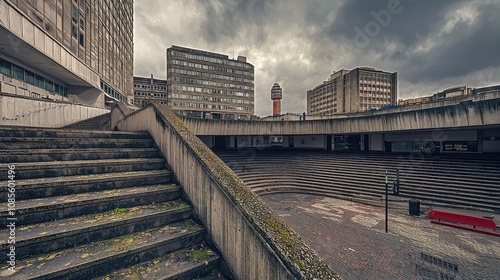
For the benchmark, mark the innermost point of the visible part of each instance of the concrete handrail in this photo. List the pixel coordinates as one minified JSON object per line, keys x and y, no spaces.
{"x":254,"y":242}
{"x":17,"y":110}
{"x":118,"y":112}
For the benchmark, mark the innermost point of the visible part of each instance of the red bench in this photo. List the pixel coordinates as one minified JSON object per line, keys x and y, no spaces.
{"x":464,"y":222}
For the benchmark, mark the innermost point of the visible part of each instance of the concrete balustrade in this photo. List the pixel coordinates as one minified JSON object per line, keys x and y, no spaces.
{"x":473,"y":111}
{"x":24,"y":111}
{"x":255,"y":242}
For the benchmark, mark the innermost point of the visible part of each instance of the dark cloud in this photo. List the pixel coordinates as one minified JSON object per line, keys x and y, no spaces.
{"x":405,"y":21}
{"x":431,"y":44}
{"x":466,"y":50}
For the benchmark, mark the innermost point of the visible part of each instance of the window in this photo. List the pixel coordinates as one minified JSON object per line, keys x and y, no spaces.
{"x":39,"y":81}
{"x":74,"y":31}
{"x":82,"y":22}
{"x":29,"y":77}
{"x":17,"y":72}
{"x":5,"y":67}
{"x":82,"y":40}
{"x":49,"y":86}
{"x":74,"y":14}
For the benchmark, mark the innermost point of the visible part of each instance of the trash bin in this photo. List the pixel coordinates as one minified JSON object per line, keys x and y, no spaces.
{"x":414,"y":207}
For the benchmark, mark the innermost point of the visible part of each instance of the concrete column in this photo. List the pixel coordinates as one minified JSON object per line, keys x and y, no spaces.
{"x":479,"y":141}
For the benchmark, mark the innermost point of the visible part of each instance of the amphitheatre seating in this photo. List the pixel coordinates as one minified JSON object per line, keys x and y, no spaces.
{"x":463,"y":222}
{"x":460,"y":180}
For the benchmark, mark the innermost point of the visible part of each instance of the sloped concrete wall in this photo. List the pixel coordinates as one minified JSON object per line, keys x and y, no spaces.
{"x":21,"y":111}
{"x":254,"y":242}
{"x":474,"y":112}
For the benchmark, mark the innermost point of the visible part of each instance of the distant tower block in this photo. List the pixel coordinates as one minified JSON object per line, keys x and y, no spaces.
{"x":276,"y":96}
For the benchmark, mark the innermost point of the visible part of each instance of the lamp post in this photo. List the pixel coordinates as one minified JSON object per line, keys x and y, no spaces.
{"x":386,"y":202}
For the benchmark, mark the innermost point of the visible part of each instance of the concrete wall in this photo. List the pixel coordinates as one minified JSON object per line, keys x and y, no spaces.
{"x":14,"y":86}
{"x":376,"y":142}
{"x":255,"y":242}
{"x":118,"y":111}
{"x":309,"y":141}
{"x":491,"y":142}
{"x":207,"y":140}
{"x":449,"y":135}
{"x":18,"y":111}
{"x":250,"y":142}
{"x":468,"y":114}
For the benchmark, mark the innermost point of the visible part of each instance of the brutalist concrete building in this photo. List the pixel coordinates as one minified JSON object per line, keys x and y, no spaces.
{"x":147,"y":90}
{"x":209,"y":85}
{"x":355,"y":90}
{"x":79,"y":51}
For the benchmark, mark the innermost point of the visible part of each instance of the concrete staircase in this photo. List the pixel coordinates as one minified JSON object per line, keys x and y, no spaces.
{"x":97,"y":205}
{"x":102,"y":122}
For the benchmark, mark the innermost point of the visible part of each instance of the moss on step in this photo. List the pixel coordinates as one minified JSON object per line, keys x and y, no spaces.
{"x":118,"y":211}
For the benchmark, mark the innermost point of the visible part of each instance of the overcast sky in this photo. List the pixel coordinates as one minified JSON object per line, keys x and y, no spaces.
{"x":432,"y":44}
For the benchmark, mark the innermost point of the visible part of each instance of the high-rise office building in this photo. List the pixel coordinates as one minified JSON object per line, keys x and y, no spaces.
{"x":353,"y":91}
{"x":209,"y":85}
{"x":147,"y":90}
{"x":78,"y":51}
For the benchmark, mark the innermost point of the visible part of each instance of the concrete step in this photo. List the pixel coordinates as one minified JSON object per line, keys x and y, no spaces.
{"x":47,"y":169}
{"x":100,"y":257}
{"x":16,"y":143}
{"x":65,"y":185}
{"x":60,"y":207}
{"x":196,"y":262}
{"x":16,"y":131}
{"x":45,"y":237}
{"x":33,"y":155}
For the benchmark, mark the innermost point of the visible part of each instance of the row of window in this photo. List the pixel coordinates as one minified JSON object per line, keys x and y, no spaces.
{"x":78,"y":19}
{"x":208,"y":115}
{"x":375,"y":94}
{"x":212,"y":59}
{"x":209,"y":106}
{"x":371,"y":82}
{"x":374,"y":89}
{"x":208,"y":83}
{"x":140,"y":93}
{"x":211,"y":91}
{"x":208,"y":75}
{"x":112,"y":92}
{"x":142,"y":103}
{"x":210,"y":98}
{"x":211,"y":68}
{"x":374,"y":75}
{"x":374,"y":101}
{"x":19,"y":73}
{"x":150,"y":87}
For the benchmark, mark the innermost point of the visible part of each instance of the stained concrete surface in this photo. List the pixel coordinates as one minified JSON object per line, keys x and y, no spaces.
{"x":351,"y":238}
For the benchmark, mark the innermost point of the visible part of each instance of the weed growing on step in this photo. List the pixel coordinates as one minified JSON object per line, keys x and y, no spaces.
{"x":118,"y":211}
{"x":200,"y":255}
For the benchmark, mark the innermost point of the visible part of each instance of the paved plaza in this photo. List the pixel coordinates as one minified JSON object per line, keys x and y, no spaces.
{"x":351,"y":238}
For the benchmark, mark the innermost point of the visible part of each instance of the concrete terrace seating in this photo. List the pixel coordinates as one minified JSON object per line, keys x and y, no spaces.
{"x":97,"y":204}
{"x":459,"y":180}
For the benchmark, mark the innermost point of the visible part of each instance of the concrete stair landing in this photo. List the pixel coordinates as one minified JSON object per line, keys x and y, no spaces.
{"x":98,"y":205}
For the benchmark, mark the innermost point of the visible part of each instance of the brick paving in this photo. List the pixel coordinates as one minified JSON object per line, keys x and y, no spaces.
{"x":351,"y":238}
